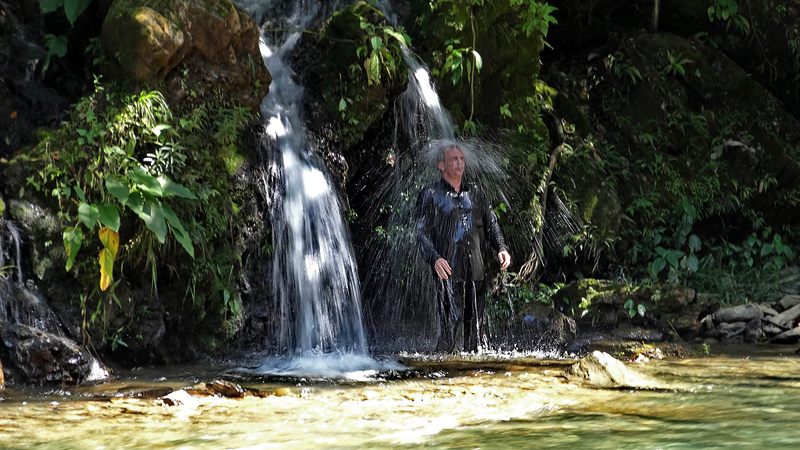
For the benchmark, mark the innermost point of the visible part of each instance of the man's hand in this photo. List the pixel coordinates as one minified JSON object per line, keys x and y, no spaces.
{"x":505,"y":259}
{"x":443,"y":269}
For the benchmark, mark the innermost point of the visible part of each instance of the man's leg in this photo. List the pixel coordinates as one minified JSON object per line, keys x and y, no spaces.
{"x":449,"y":313}
{"x":474,"y":309}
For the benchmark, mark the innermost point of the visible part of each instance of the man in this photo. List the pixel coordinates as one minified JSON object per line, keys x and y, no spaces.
{"x":454,"y":219}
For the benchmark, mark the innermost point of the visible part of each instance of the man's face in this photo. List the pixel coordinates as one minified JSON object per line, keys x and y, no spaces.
{"x":453,"y":164}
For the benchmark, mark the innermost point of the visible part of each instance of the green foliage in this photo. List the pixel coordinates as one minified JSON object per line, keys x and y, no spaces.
{"x":72,"y":8}
{"x":536,"y":18}
{"x":728,"y":12}
{"x":56,"y":46}
{"x":149,"y":179}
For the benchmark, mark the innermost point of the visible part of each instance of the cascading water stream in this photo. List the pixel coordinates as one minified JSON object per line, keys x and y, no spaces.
{"x":314,"y":271}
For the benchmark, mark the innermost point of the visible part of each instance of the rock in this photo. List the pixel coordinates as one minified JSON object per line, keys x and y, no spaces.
{"x":216,"y":40}
{"x":638,"y":333}
{"x":789,"y":301}
{"x":227,"y":389}
{"x":771,"y":329}
{"x":786,"y":318}
{"x":603,"y":370}
{"x":767,"y":310}
{"x":180,"y":398}
{"x":787,"y":337}
{"x":284,"y":392}
{"x":739,"y":313}
{"x":35,"y":357}
{"x":707,"y":324}
{"x":752,"y":332}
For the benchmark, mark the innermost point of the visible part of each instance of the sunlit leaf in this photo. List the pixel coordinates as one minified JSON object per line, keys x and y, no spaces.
{"x":106,"y":268}
{"x":376,"y":42}
{"x":146,"y":182}
{"x":110,"y":240}
{"x":117,"y":189}
{"x":374,"y":68}
{"x":88,"y":214}
{"x":73,"y":238}
{"x":153,"y":217}
{"x":478,"y":60}
{"x":172,"y":189}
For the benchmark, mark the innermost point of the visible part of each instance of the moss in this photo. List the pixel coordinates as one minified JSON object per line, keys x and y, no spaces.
{"x":231,"y":159}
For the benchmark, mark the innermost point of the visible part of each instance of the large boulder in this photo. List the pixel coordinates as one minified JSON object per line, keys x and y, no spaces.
{"x":31,"y":356}
{"x":218,"y":42}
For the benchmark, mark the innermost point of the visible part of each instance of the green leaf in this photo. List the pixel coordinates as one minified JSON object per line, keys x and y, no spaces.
{"x":342,"y":104}
{"x":172,"y":189}
{"x":478,"y":60}
{"x":109,"y":216}
{"x":74,"y":8}
{"x":374,"y":68}
{"x":73,"y":238}
{"x":117,"y":189}
{"x":146,"y":182}
{"x":692,"y":263}
{"x":136,"y":203}
{"x":79,"y":191}
{"x":376,"y":42}
{"x":672,"y":258}
{"x":766,"y":249}
{"x":177,"y":229}
{"x":641,"y":309}
{"x":88,"y":214}
{"x":629,"y":304}
{"x":48,"y":6}
{"x":658,"y":265}
{"x":694,"y":243}
{"x":153,"y":217}
{"x":56,"y":45}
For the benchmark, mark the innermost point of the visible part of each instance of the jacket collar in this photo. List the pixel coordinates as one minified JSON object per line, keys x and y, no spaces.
{"x":465,"y":186}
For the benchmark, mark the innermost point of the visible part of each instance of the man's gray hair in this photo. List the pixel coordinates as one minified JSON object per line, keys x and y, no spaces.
{"x":443,"y":145}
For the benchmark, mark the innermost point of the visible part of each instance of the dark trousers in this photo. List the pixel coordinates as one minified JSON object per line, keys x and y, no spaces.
{"x":461,"y":305}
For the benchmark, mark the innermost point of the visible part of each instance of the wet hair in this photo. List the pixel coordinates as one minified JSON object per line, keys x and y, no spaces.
{"x":443,"y":145}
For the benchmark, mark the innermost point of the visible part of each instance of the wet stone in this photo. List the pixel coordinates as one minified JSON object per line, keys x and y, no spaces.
{"x":180,"y":398}
{"x":739,"y":313}
{"x":600,"y":369}
{"x":284,"y":392}
{"x":771,"y":329}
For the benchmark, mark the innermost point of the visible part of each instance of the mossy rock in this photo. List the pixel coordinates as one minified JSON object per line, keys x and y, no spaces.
{"x":146,"y":40}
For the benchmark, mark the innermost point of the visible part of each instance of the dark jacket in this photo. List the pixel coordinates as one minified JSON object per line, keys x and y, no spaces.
{"x":454,"y":226}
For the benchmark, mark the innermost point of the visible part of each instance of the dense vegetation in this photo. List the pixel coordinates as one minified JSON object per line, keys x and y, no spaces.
{"x":675,"y":164}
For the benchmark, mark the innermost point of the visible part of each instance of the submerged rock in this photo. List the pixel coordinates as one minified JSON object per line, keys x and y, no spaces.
{"x":180,"y":398}
{"x":35,"y":357}
{"x":600,"y":369}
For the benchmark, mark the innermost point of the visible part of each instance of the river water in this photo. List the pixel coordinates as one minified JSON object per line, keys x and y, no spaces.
{"x":738,"y":398}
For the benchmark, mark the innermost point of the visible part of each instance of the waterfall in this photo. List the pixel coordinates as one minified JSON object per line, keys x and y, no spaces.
{"x":314,"y":270}
{"x":18,"y":305}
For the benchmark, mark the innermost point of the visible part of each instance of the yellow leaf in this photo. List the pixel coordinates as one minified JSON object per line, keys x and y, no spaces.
{"x":110,"y":240}
{"x":106,"y":268}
